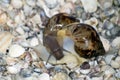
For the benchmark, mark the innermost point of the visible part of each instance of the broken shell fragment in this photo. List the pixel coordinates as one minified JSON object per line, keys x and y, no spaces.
{"x":5,"y":41}
{"x":16,"y":50}
{"x":89,"y":5}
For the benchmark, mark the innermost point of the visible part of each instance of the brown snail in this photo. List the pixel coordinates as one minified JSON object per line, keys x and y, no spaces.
{"x":87,"y":43}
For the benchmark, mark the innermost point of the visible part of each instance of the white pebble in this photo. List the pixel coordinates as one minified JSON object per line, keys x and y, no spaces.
{"x":117,"y":74}
{"x":51,"y":3}
{"x":89,"y":5}
{"x":44,"y":76}
{"x":115,"y":64}
{"x":106,"y":43}
{"x":20,"y":30}
{"x":116,"y":42}
{"x":34,"y":42}
{"x":85,"y":71}
{"x":13,"y":69}
{"x":31,"y":2}
{"x":108,"y":58}
{"x":17,"y":3}
{"x":16,"y":50}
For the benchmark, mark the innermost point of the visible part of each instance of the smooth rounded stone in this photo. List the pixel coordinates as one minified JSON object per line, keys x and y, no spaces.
{"x":36,"y":19}
{"x":61,"y":76}
{"x":32,"y":3}
{"x":2,"y":68}
{"x":97,"y":78}
{"x":115,"y":64}
{"x":44,"y":76}
{"x":89,"y":5}
{"x":51,"y":3}
{"x":117,"y":74}
{"x":5,"y":41}
{"x":16,"y":50}
{"x":117,"y":59}
{"x":109,"y":12}
{"x":73,"y":75}
{"x":108,"y":58}
{"x":105,"y":4}
{"x":17,"y":3}
{"x":115,"y":31}
{"x":116,"y":42}
{"x":108,"y":25}
{"x":34,"y":42}
{"x":119,"y":52}
{"x":106,"y":43}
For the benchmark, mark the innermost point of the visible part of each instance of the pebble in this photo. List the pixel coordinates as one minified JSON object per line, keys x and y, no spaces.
{"x":34,"y":42}
{"x":16,"y":50}
{"x":17,"y":4}
{"x":44,"y":76}
{"x":115,"y":64}
{"x":61,"y":76}
{"x":108,"y":58}
{"x":116,"y":42}
{"x":89,"y":6}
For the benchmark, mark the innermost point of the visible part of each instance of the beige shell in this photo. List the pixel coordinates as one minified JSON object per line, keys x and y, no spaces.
{"x":5,"y":41}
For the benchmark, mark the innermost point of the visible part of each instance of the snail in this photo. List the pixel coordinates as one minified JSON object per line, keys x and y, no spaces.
{"x":87,"y":43}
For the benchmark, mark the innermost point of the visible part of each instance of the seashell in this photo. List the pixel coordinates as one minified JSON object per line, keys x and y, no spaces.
{"x":16,"y":50}
{"x":108,"y":58}
{"x":32,"y":3}
{"x":89,"y":6}
{"x":5,"y":41}
{"x":20,"y":30}
{"x":116,"y":42}
{"x":44,"y":54}
{"x":17,"y":4}
{"x":13,"y":69}
{"x":3,"y":18}
{"x":61,"y":76}
{"x":11,"y":61}
{"x":92,"y":21}
{"x":27,"y":10}
{"x":115,"y":64}
{"x":51,"y":3}
{"x":106,"y":43}
{"x":67,"y":8}
{"x":71,"y":60}
{"x":34,"y":42}
{"x":44,"y":76}
{"x":20,"y":17}
{"x":36,"y":19}
{"x":11,"y":23}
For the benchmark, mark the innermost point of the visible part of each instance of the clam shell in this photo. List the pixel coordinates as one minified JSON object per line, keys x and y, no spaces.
{"x":16,"y":50}
{"x":5,"y":41}
{"x":89,"y":5}
{"x":3,"y":18}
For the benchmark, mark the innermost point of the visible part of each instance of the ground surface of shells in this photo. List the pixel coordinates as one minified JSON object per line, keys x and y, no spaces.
{"x":23,"y":55}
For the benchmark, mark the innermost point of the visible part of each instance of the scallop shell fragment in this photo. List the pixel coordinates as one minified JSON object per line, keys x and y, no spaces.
{"x":5,"y":41}
{"x":16,"y":50}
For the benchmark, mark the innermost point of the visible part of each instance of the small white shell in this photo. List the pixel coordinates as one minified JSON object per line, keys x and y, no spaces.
{"x":16,"y":50}
{"x":5,"y":41}
{"x":17,"y":3}
{"x":44,"y":76}
{"x":108,"y":58}
{"x":13,"y":69}
{"x":92,"y":21}
{"x":115,"y":64}
{"x":61,"y":76}
{"x":20,"y":30}
{"x":89,"y":5}
{"x":51,"y":3}
{"x":116,"y":42}
{"x":106,"y":43}
{"x":31,"y":2}
{"x":3,"y":18}
{"x":86,"y":71}
{"x":34,"y":42}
